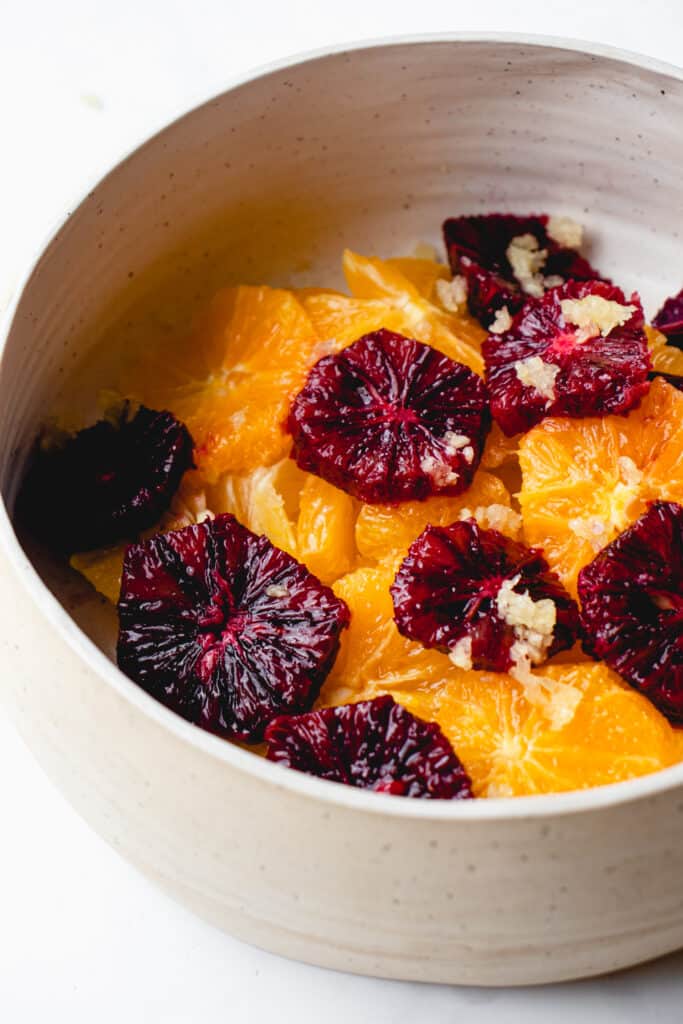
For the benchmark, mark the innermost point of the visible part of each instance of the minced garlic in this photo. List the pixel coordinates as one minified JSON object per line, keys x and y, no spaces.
{"x":534,"y":373}
{"x":502,"y":321}
{"x":441,"y":473}
{"x":566,"y":232}
{"x":595,"y":315}
{"x":452,"y":294}
{"x":461,"y":654}
{"x":495,"y":517}
{"x":527,"y":260}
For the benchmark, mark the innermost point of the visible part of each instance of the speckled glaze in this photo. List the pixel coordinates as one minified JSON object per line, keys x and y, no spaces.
{"x":370,"y":147}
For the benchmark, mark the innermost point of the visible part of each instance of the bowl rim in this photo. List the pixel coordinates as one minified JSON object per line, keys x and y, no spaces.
{"x":306,"y":786}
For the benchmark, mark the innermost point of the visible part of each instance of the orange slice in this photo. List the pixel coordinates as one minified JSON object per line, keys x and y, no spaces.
{"x":456,"y":335}
{"x":665,"y":358}
{"x":325,"y":541}
{"x":383,"y":531}
{"x":233,"y":380}
{"x":585,"y":481}
{"x":509,"y":749}
{"x":422,"y":274}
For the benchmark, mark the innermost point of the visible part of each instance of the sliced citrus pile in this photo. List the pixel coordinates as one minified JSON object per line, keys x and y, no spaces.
{"x":500,"y":729}
{"x":585,"y":481}
{"x":383,"y":531}
{"x":231,"y":383}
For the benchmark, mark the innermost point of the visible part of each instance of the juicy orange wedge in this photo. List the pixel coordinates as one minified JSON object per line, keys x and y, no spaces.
{"x":456,"y":335}
{"x":585,"y":481}
{"x":232,"y":382}
{"x":384,"y":531}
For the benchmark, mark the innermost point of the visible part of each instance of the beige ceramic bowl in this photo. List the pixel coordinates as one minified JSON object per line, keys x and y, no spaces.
{"x":370,"y":147}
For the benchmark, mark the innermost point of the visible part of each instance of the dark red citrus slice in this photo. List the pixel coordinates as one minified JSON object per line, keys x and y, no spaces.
{"x":632,"y":606}
{"x":505,"y":258}
{"x":106,"y":483}
{"x":376,"y":744}
{"x":224,"y":628}
{"x":390,"y":419}
{"x":488,"y":601}
{"x":579,"y":351}
{"x":669,"y":320}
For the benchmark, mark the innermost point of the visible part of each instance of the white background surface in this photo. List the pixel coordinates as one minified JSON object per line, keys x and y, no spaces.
{"x":83,"y":938}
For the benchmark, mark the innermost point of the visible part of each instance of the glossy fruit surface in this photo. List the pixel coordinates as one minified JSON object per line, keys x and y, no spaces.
{"x":487,"y":600}
{"x":108,"y":482}
{"x":375,"y":745}
{"x":479,"y":248}
{"x":224,"y":628}
{"x":632,"y":606}
{"x":548,"y":364}
{"x":390,"y":419}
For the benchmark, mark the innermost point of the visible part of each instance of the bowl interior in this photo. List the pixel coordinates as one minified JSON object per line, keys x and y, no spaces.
{"x":370,"y":148}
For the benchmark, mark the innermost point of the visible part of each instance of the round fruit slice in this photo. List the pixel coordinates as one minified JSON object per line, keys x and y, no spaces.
{"x":390,"y":419}
{"x":488,"y":601}
{"x":510,"y":748}
{"x":233,"y":380}
{"x":584,"y":481}
{"x":504,"y":259}
{"x":669,"y":320}
{"x":632,"y":606}
{"x":579,"y":351}
{"x":106,"y":483}
{"x":224,"y":628}
{"x":385,"y":531}
{"x":375,"y":745}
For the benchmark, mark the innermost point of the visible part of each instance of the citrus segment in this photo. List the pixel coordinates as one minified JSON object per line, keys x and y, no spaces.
{"x":232,"y":382}
{"x":458,"y":337}
{"x":585,"y":481}
{"x":665,"y":358}
{"x":383,"y":531}
{"x":324,"y":532}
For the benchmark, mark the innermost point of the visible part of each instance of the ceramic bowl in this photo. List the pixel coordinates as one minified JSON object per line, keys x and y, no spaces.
{"x":372,"y":147}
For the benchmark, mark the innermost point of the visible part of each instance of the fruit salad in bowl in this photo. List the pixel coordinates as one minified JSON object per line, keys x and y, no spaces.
{"x":423,"y":536}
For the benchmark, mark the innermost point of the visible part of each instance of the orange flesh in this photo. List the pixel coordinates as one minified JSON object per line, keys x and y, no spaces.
{"x":232,"y":382}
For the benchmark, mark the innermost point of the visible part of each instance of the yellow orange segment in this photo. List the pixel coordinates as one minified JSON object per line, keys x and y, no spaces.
{"x":585,"y":481}
{"x":325,"y":541}
{"x":509,"y":749}
{"x":265,"y":501}
{"x":457,"y":336}
{"x":339,"y":320}
{"x":102,"y":569}
{"x":386,"y":530}
{"x":665,"y":358}
{"x":421,"y":273}
{"x":232,"y":382}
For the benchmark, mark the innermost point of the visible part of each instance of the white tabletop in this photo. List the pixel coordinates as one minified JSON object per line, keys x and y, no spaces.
{"x":83,"y":938}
